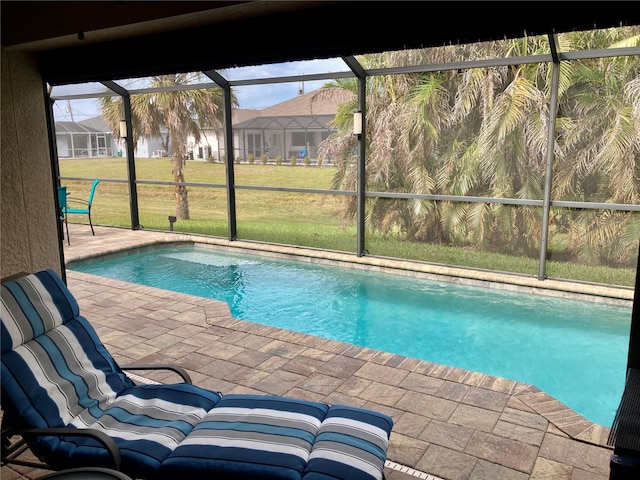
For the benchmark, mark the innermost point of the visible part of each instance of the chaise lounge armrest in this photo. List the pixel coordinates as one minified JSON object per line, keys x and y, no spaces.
{"x":10,"y":453}
{"x":179,"y":370}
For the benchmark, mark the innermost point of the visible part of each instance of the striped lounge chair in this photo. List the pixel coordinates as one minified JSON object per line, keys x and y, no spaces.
{"x":67,"y":400}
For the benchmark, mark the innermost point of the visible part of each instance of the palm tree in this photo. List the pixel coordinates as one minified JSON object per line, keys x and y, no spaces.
{"x":393,"y":143}
{"x":600,"y":135}
{"x":509,"y":144}
{"x":483,"y":132}
{"x":178,"y":112}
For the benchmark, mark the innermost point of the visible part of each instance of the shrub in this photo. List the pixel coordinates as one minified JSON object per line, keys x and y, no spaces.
{"x":307,"y":160}
{"x":292,"y":160}
{"x":279,"y":160}
{"x":263,"y":159}
{"x":251,"y":158}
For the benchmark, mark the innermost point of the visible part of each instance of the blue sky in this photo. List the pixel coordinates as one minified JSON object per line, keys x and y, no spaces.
{"x":258,"y":96}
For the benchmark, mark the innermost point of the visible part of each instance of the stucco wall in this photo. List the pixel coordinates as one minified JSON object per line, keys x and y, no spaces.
{"x":28,"y":230}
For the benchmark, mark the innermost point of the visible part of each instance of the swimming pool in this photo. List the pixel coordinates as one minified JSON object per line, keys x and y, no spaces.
{"x":575,"y":351}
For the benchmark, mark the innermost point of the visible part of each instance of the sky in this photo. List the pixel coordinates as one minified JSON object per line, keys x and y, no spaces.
{"x":250,"y":97}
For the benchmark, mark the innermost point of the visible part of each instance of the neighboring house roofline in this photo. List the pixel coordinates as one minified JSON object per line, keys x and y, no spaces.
{"x":75,"y":127}
{"x":309,"y":122}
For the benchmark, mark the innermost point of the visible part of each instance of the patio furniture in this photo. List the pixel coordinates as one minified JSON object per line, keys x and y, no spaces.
{"x":86,"y":474}
{"x":78,"y":206}
{"x":62,"y":206}
{"x":67,"y":399}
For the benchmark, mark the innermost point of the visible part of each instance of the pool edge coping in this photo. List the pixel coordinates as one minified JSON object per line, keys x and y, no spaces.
{"x":609,"y":295}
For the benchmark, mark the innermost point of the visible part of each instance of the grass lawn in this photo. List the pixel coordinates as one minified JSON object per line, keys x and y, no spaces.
{"x":305,"y":219}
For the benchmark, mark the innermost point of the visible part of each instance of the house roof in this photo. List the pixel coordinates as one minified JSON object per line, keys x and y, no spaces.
{"x":97,"y":123}
{"x":307,"y":111}
{"x":243,"y":114}
{"x":319,"y":106}
{"x":307,"y":122}
{"x":310,"y":104}
{"x":90,"y":125}
{"x":77,"y":127}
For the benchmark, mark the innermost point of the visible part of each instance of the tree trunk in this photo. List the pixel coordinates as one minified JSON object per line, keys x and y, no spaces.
{"x":180,"y":191}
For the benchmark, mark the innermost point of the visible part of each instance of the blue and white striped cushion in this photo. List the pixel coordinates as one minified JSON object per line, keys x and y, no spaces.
{"x":33,"y":305}
{"x":57,"y":373}
{"x":250,"y":436}
{"x":351,"y":445}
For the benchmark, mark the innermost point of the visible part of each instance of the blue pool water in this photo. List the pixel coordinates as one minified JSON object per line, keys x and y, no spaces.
{"x":575,"y":351}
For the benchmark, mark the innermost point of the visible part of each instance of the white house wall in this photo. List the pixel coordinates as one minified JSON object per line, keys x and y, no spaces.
{"x":282,"y":145}
{"x":147,"y":147}
{"x":63,"y":145}
{"x":209,"y":147}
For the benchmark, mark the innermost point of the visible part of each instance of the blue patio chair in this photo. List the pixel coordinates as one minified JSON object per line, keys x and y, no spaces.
{"x":77,"y":206}
{"x":62,"y":206}
{"x":66,"y":399}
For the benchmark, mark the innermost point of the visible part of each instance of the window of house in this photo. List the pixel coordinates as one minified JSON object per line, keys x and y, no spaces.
{"x":301,"y":139}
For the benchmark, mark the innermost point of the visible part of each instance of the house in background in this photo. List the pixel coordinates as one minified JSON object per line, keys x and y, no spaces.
{"x":86,"y":139}
{"x":149,"y":147}
{"x":295,"y":127}
{"x":92,"y":138}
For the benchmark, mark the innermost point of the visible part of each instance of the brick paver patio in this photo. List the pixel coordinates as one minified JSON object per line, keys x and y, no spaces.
{"x":449,"y":423}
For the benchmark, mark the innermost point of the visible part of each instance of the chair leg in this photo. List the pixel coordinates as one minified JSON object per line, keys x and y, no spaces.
{"x":91,"y":225}
{"x":66,"y":225}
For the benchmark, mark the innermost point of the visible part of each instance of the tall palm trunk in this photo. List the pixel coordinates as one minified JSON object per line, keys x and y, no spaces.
{"x":180,"y":190}
{"x":181,"y":113}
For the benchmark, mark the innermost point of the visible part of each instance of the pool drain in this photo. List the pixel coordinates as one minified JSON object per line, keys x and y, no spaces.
{"x":409,"y":471}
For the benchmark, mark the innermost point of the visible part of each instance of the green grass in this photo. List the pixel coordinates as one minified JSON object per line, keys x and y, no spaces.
{"x":304,"y":219}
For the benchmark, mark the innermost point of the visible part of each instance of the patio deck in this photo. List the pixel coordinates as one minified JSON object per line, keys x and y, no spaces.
{"x":450,"y":423}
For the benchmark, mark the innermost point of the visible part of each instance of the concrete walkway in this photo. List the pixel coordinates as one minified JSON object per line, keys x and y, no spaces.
{"x":450,"y":423}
